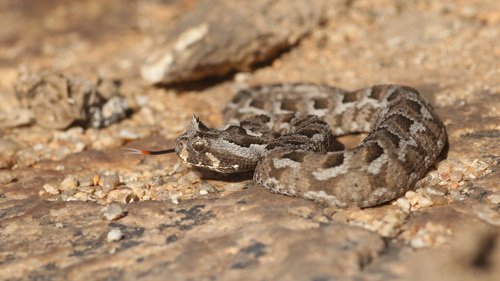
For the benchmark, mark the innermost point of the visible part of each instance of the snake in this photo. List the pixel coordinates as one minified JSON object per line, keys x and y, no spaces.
{"x":286,"y":134}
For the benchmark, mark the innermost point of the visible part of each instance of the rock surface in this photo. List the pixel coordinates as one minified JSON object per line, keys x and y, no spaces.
{"x":58,"y":101}
{"x":73,"y":207}
{"x":218,"y":36}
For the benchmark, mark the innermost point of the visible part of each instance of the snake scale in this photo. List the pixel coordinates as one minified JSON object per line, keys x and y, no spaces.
{"x":286,"y":134}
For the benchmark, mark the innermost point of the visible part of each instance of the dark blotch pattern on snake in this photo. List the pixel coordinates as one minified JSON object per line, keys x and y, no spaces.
{"x":285,"y":132}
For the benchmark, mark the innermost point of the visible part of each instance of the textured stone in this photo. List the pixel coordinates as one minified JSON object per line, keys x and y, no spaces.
{"x":58,"y":100}
{"x":69,"y":183}
{"x":113,"y":212}
{"x":218,"y":37}
{"x":114,"y":234}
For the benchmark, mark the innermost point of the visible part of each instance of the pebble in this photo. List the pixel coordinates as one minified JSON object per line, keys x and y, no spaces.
{"x":301,"y":211}
{"x":6,"y":177}
{"x":321,"y":218}
{"x":121,"y":196}
{"x":457,"y":196}
{"x":184,"y":182}
{"x":87,"y":189}
{"x":100,"y":194}
{"x":60,"y":168}
{"x":8,"y":148}
{"x":418,"y":200}
{"x":175,"y":198}
{"x":429,"y":235}
{"x":387,"y":226}
{"x":81,"y":196}
{"x":95,"y":180}
{"x":425,"y":202}
{"x":329,"y":212}
{"x":69,"y":183}
{"x":113,"y":212}
{"x":109,"y":182}
{"x":193,"y":176}
{"x":114,"y":234}
{"x":68,"y":193}
{"x":237,"y":186}
{"x":126,"y":134}
{"x":86,"y":181}
{"x":435,"y":190}
{"x":391,"y":223}
{"x":494,"y":198}
{"x":432,"y":178}
{"x":138,"y":191}
{"x":410,"y":194}
{"x":142,"y":100}
{"x":403,"y":204}
{"x":16,"y":117}
{"x":106,"y":141}
{"x":456,"y":176}
{"x":79,"y":147}
{"x":26,"y":157}
{"x":207,"y":188}
{"x":50,"y":189}
{"x":177,"y":168}
{"x":157,"y":181}
{"x":418,"y":243}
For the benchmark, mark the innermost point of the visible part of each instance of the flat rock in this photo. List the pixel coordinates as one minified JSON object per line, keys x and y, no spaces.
{"x":237,"y":236}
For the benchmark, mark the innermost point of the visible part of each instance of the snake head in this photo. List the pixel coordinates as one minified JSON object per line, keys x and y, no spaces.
{"x":219,"y":150}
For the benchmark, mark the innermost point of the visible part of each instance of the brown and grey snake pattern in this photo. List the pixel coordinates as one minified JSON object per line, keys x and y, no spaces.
{"x":285,"y":132}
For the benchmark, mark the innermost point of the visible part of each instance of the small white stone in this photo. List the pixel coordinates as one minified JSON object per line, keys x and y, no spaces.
{"x":69,"y":183}
{"x":410,"y":194}
{"x":128,"y":135}
{"x":193,"y":176}
{"x":425,"y":202}
{"x":112,"y":212}
{"x":60,"y":168}
{"x":403,"y":204}
{"x":81,"y":196}
{"x":109,"y":182}
{"x":114,"y":234}
{"x":418,"y":243}
{"x":50,"y":189}
{"x":494,"y":198}
{"x":175,"y":198}
{"x":207,"y":188}
{"x":203,"y":192}
{"x":237,"y":186}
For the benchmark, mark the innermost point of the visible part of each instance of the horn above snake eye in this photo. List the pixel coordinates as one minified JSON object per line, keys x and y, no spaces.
{"x":197,"y":124}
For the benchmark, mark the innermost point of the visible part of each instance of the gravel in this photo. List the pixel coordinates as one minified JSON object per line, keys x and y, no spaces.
{"x":113,"y":212}
{"x":114,"y":234}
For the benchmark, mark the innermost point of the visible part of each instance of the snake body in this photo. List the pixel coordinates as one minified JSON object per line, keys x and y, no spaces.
{"x":285,"y":133}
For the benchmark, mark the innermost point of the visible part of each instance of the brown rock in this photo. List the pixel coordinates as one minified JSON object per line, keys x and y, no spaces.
{"x":58,"y":101}
{"x":218,"y":37}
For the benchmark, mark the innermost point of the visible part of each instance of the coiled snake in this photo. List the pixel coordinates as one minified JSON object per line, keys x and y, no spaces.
{"x":285,"y":132}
